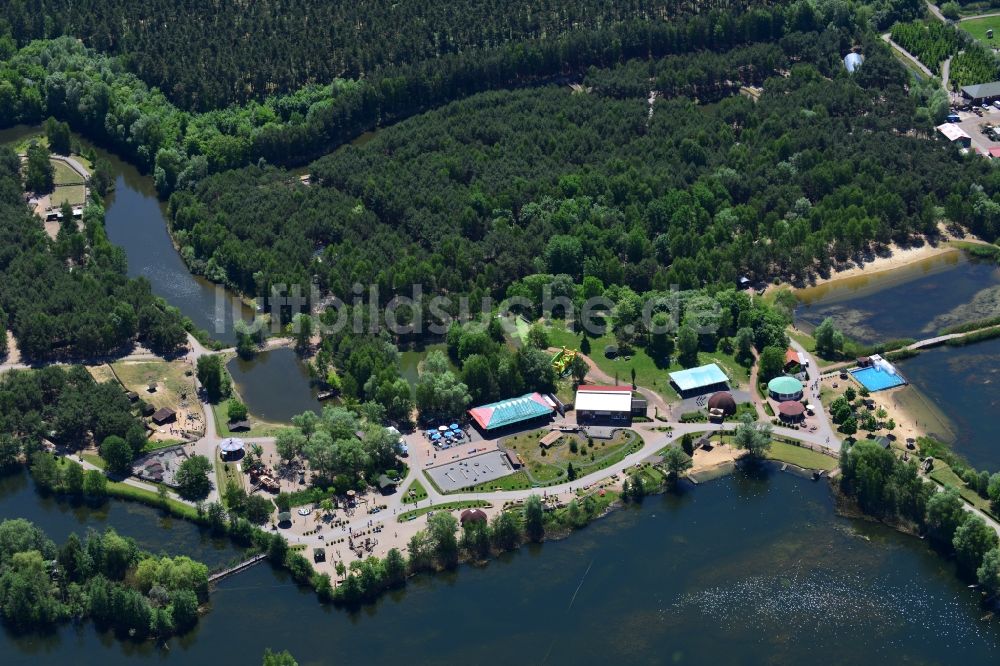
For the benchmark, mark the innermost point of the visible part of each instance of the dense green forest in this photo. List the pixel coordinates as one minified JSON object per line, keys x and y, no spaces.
{"x":477,"y":194}
{"x":70,"y":297}
{"x":930,"y":41}
{"x":104,"y":577}
{"x":103,"y":100}
{"x":933,"y":42}
{"x":65,"y":79}
{"x":281,"y":45}
{"x":64,"y":406}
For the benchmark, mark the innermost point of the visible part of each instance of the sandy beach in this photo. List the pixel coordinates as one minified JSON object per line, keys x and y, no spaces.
{"x":897,"y":258}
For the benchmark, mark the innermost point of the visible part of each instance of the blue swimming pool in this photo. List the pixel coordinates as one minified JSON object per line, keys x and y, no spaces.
{"x":877,"y":379}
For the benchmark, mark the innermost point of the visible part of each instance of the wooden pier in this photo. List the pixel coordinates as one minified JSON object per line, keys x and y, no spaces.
{"x":242,"y":566}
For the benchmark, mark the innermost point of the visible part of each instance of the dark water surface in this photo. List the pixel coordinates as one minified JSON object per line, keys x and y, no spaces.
{"x":915,"y":301}
{"x":964,"y":382}
{"x":136,"y":221}
{"x":737,"y":571}
{"x":275,"y":385}
{"x":151,"y":529}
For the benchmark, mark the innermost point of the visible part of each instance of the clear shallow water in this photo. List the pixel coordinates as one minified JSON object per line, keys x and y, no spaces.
{"x":275,"y":385}
{"x":915,"y":301}
{"x":964,"y":382}
{"x":739,"y":570}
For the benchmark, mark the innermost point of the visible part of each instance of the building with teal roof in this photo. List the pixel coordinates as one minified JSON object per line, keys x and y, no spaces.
{"x":784,"y":388}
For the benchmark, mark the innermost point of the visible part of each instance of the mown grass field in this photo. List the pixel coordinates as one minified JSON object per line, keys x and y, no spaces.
{"x":418,"y":490}
{"x":803,"y":457}
{"x":448,"y":506}
{"x":649,"y":372}
{"x":549,"y":464}
{"x":978,"y":27}
{"x":946,"y":476}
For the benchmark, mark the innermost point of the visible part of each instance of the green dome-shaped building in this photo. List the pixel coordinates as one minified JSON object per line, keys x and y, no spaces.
{"x":785,"y":388}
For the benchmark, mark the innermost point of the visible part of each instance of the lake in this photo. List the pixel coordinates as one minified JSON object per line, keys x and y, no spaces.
{"x":136,"y":221}
{"x":747,"y":569}
{"x":964,"y":383}
{"x":275,"y":385}
{"x":914,"y":301}
{"x":152,"y":530}
{"x":410,"y":360}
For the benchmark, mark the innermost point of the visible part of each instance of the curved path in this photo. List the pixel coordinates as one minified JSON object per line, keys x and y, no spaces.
{"x":909,"y":56}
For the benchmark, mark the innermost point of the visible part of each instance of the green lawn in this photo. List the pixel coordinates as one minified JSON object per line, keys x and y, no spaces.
{"x":649,"y":373}
{"x":800,"y":456}
{"x":978,"y":27}
{"x":257,"y":428}
{"x":155,"y":445}
{"x":226,"y":472}
{"x":73,"y":194}
{"x":148,"y":497}
{"x":94,"y":459}
{"x":946,"y":476}
{"x":418,"y":490}
{"x":549,"y":465}
{"x":448,"y":506}
{"x":63,"y":174}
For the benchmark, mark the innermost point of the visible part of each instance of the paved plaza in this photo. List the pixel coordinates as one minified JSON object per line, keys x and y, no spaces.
{"x":459,"y":474}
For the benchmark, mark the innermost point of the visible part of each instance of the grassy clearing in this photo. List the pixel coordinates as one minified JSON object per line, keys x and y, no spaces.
{"x":258,"y":428}
{"x":549,"y":465}
{"x":418,"y":490}
{"x":170,"y":378}
{"x":102,"y":373}
{"x":63,"y":174}
{"x":126,"y":491}
{"x":978,"y":27}
{"x":94,"y":459}
{"x":946,"y":476}
{"x":803,"y":457}
{"x":649,"y":372}
{"x":175,"y":507}
{"x":226,"y":472}
{"x":75,"y":195}
{"x":156,"y":445}
{"x":448,"y":506}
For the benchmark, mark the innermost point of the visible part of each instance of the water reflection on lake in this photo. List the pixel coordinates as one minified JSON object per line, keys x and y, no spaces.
{"x":151,"y":528}
{"x":914,"y":301}
{"x":275,"y":385}
{"x":136,"y":221}
{"x":964,"y":382}
{"x":742,"y":570}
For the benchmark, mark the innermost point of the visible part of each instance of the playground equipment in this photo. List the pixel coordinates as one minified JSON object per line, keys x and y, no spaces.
{"x":562,"y":359}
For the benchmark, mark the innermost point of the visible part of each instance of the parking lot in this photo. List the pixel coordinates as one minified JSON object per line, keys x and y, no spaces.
{"x":972,"y":124}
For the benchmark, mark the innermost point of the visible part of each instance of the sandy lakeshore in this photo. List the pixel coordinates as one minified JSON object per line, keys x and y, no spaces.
{"x":897,"y":257}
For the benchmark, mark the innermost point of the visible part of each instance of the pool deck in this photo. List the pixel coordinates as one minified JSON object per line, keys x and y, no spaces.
{"x":894,"y":379}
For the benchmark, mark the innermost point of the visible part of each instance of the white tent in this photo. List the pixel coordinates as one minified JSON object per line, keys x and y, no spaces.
{"x":231,"y":445}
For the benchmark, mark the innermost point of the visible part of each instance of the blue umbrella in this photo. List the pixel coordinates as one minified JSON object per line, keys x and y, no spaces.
{"x":435,"y":436}
{"x":454,"y":426}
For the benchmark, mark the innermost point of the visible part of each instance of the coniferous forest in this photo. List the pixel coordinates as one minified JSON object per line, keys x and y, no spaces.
{"x":487,"y":190}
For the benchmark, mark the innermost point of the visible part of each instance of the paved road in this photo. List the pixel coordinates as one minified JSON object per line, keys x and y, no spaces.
{"x":933,"y":9}
{"x":812,"y":391}
{"x":888,"y":40}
